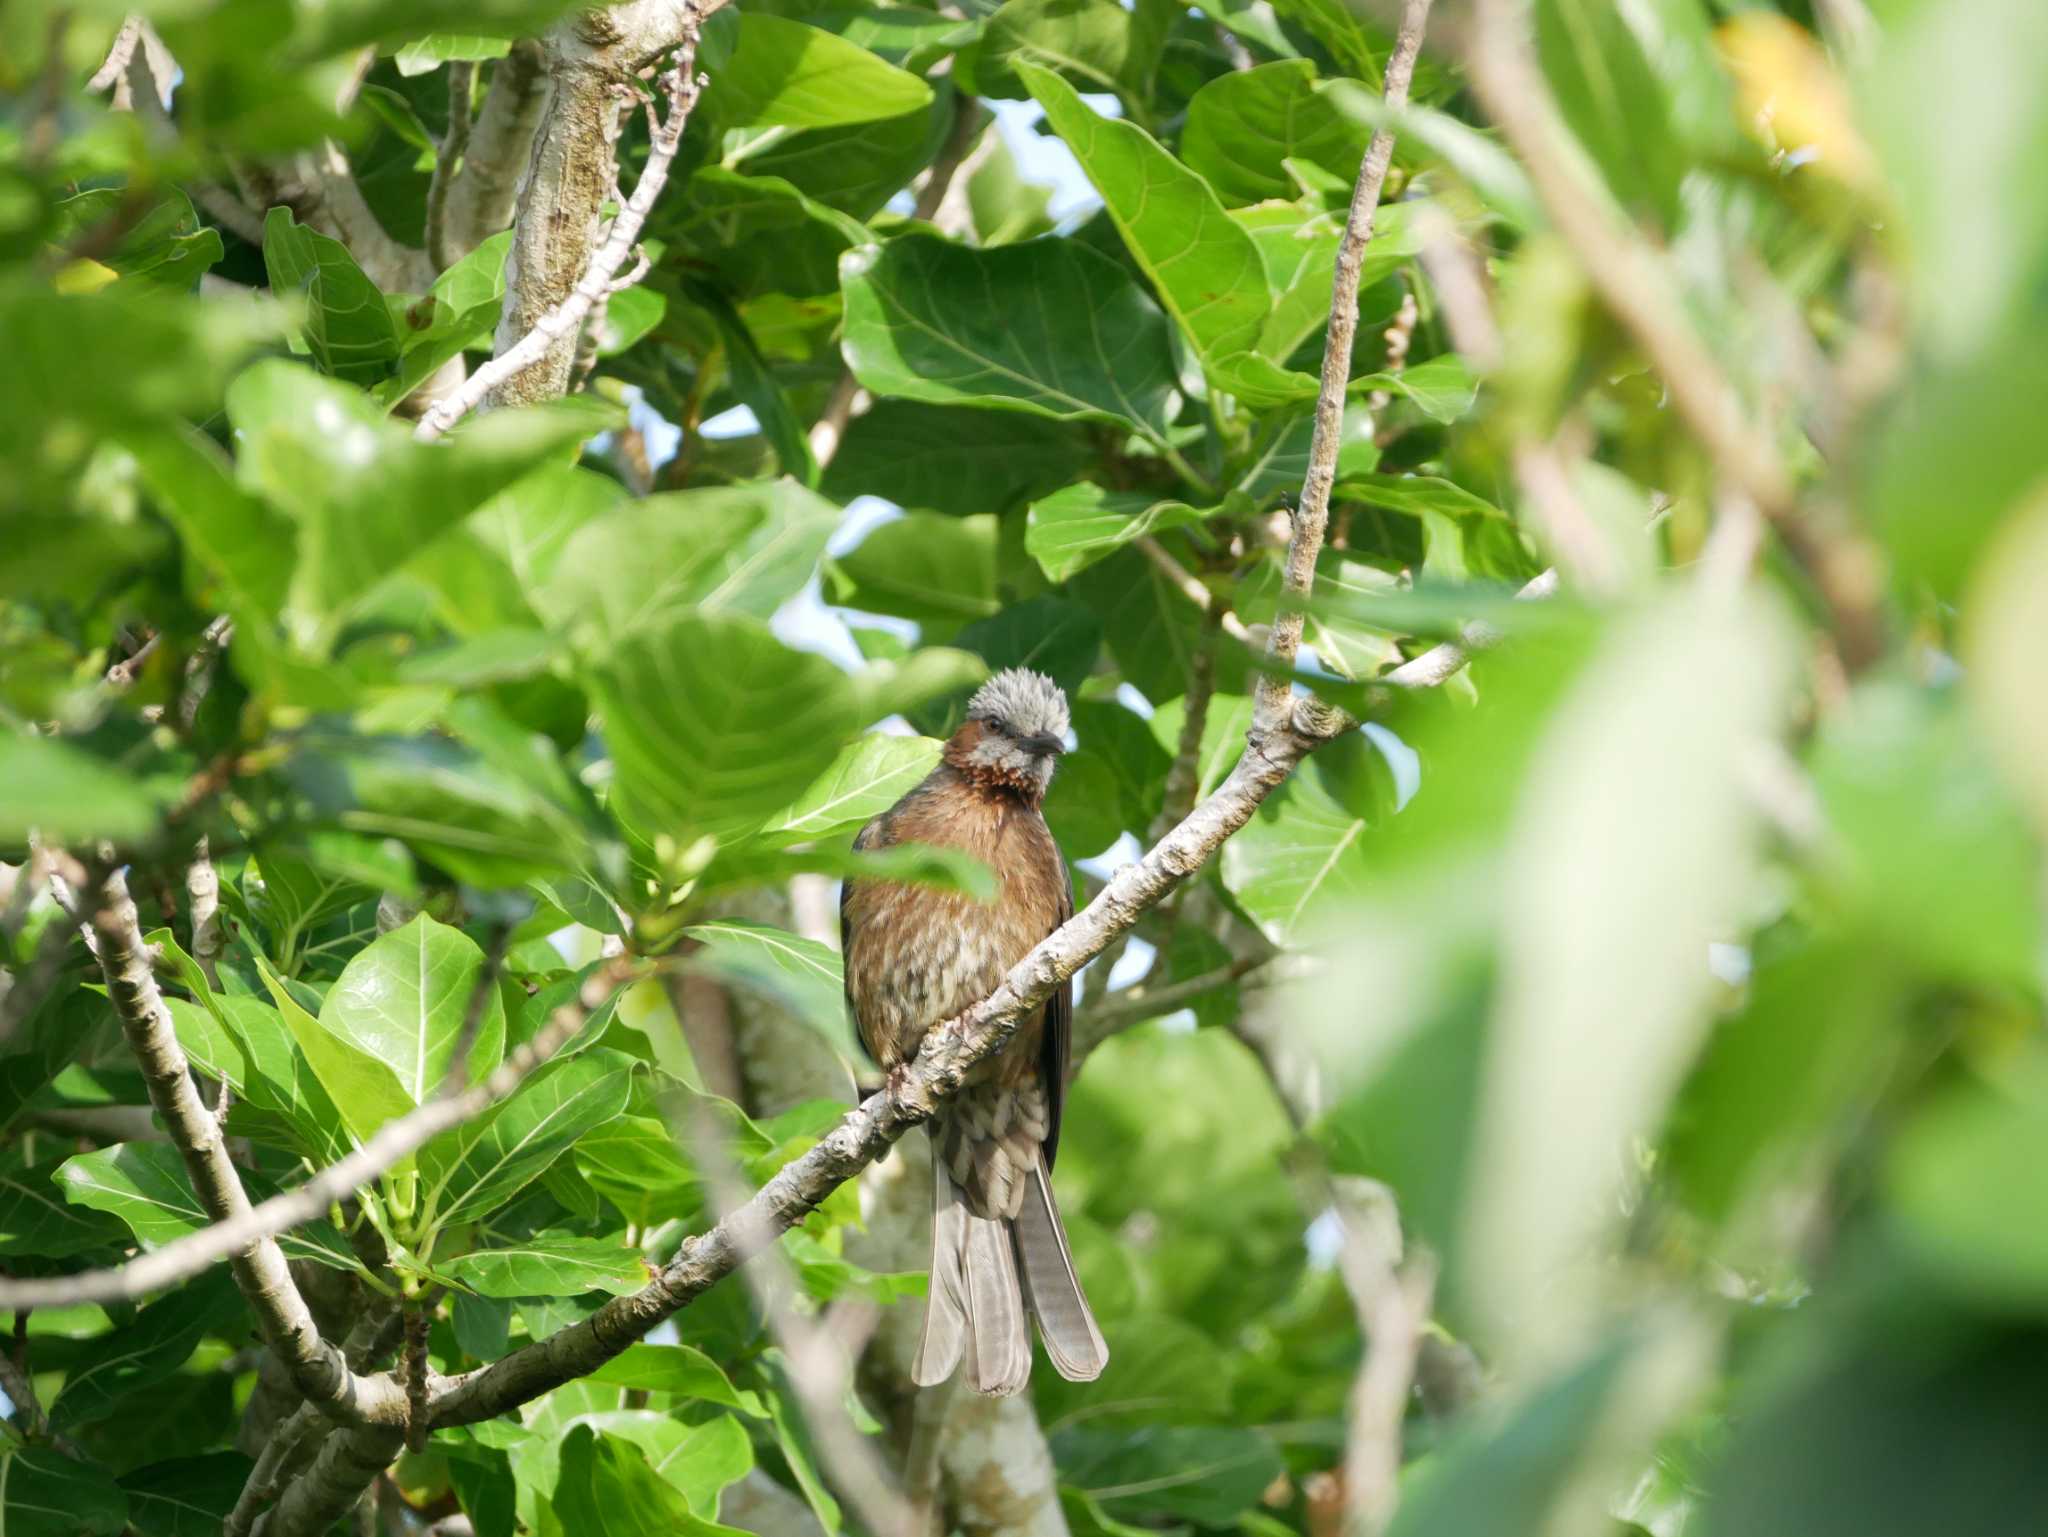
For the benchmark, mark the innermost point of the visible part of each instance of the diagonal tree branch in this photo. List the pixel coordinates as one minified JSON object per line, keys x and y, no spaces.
{"x":1272,"y":702}
{"x":255,"y":1225}
{"x":317,"y":1367}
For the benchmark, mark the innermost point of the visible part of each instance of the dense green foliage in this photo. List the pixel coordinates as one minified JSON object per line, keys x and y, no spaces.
{"x":1691,"y":1004}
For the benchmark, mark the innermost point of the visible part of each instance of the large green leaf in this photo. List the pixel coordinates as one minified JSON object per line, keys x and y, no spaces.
{"x":713,"y":723}
{"x":633,"y":1162}
{"x":36,"y":1221}
{"x":733,"y":549}
{"x":135,"y":1357}
{"x":699,"y":1460}
{"x":858,"y":167}
{"x":802,"y":974}
{"x":1613,"y":101}
{"x":477,"y":1167}
{"x":1048,"y":326}
{"x":65,"y":793}
{"x":144,"y":1184}
{"x":189,"y":1497}
{"x":937,"y":570}
{"x":782,"y":73}
{"x":550,"y":1265}
{"x":1071,"y":530}
{"x":405,"y":1001}
{"x":365,"y":1090}
{"x":868,"y":777}
{"x":681,"y":1370}
{"x":246,"y":1044}
{"x":1097,"y":43}
{"x":1304,"y":854}
{"x":167,"y":247}
{"x":365,"y":495}
{"x":607,"y":1485}
{"x":1206,"y":268}
{"x":761,"y":235}
{"x":1241,"y":125}
{"x":953,"y":459}
{"x":348,"y":326}
{"x":44,"y":1493}
{"x":1208,"y":1474}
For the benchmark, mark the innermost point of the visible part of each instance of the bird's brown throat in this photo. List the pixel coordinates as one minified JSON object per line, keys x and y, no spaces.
{"x":989,"y":778}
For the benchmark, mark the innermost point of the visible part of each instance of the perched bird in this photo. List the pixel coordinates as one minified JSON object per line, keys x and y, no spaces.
{"x":915,"y":957}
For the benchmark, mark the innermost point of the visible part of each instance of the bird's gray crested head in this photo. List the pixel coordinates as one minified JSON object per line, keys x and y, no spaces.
{"x":1023,"y":703}
{"x":1016,"y":729}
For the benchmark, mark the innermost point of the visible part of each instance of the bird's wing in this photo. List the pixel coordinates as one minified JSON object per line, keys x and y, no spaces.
{"x":1059,"y":1021}
{"x":873,"y":836}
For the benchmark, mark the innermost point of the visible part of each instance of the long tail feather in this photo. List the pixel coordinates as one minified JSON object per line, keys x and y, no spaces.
{"x":1051,"y":1288}
{"x":999,"y":1360}
{"x":946,"y":1309}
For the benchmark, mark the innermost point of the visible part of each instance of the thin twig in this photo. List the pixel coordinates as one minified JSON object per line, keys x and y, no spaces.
{"x":1441,"y":662}
{"x":1130,"y":1005}
{"x":202,"y":889}
{"x":1392,"y":1301}
{"x":1312,"y":515}
{"x":447,"y":156}
{"x":680,"y":85}
{"x":1192,"y":587}
{"x":259,"y":1224}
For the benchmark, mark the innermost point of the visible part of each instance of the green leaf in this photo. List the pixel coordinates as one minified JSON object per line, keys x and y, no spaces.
{"x":144,"y":1184}
{"x":952,"y":459}
{"x":232,"y":537}
{"x":1211,"y":1475}
{"x":365,"y":1090}
{"x":1206,"y":268}
{"x":348,"y":328}
{"x":291,"y":895}
{"x":633,"y":1162}
{"x":1048,"y":327}
{"x":802,"y":974}
{"x":188,"y":1497}
{"x":607,"y":1485}
{"x":65,"y":794}
{"x":698,"y":1460}
{"x":136,"y":1357}
{"x":1073,"y":529}
{"x":859,"y":167}
{"x":424,"y":55}
{"x":1096,"y":43}
{"x":43,"y":1493}
{"x":1626,"y":785}
{"x":1305,"y":853}
{"x":713,"y":723}
{"x":473,"y":1169}
{"x":35,"y":1220}
{"x":405,"y":999}
{"x":784,"y":73}
{"x":734,"y":549}
{"x":460,"y":311}
{"x":1242,"y":124}
{"x":1442,"y":389}
{"x":937,"y":570}
{"x":760,"y":235}
{"x":869,"y":777}
{"x":1507,"y":1473}
{"x":1358,"y":50}
{"x":1416,"y":494}
{"x":365,"y":495}
{"x":1049,"y":634}
{"x":681,"y":1370}
{"x":1613,"y":101}
{"x":166,"y":248}
{"x":550,"y":1265}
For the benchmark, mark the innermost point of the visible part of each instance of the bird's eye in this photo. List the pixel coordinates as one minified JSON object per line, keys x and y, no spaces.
{"x":1001,"y":725}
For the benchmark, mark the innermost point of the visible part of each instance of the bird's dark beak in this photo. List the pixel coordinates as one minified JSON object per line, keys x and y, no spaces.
{"x":1045,"y":743}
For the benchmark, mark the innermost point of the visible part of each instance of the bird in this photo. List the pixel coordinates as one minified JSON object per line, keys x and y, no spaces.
{"x":916,"y":956}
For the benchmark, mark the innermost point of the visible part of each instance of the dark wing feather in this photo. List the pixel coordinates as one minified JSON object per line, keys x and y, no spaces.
{"x":1059,"y":1026}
